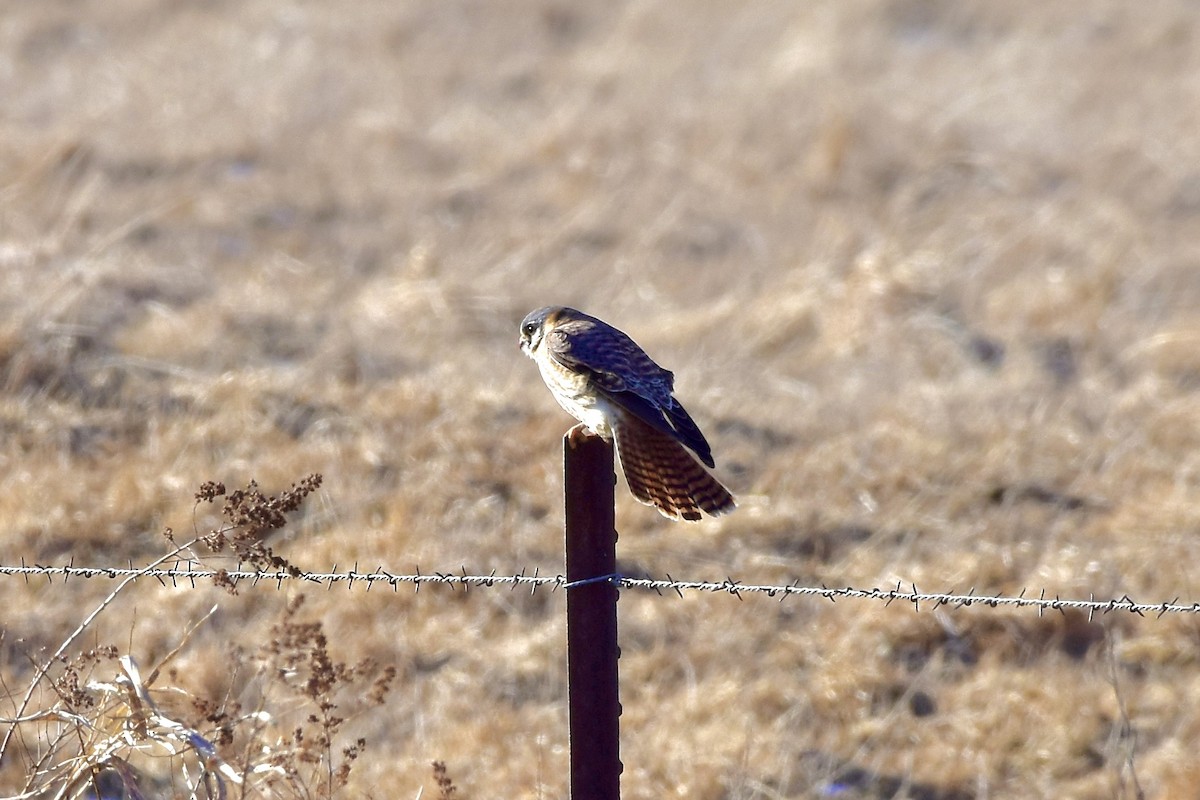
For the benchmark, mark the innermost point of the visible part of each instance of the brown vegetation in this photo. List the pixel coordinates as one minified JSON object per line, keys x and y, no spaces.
{"x":928,"y":274}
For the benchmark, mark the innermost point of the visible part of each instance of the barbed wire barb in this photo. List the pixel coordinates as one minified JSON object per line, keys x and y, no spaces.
{"x":943,"y":601}
{"x":1163,"y":610}
{"x":790,"y":588}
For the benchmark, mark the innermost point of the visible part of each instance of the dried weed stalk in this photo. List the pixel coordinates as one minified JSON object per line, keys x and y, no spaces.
{"x":446,"y":788}
{"x":250,"y":516}
{"x":110,"y":738}
{"x":300,"y":751}
{"x":88,"y":740}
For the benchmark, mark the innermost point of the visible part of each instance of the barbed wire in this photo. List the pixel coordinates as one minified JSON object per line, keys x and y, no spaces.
{"x":189,"y":573}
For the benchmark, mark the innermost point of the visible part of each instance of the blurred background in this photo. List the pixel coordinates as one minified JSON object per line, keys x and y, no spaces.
{"x":928,"y":273}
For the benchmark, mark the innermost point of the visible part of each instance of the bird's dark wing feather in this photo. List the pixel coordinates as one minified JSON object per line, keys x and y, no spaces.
{"x":688,"y":432}
{"x":587,"y":346}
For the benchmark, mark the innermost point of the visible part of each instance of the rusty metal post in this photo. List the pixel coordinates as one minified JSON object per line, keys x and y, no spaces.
{"x":591,"y":541}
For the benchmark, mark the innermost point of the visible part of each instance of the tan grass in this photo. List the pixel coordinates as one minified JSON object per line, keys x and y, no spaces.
{"x":927,"y":273}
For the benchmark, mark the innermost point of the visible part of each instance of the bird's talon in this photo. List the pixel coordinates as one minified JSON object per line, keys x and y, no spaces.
{"x":577,"y":434}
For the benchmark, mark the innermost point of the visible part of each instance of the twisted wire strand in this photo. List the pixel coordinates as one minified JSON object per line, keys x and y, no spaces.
{"x":189,"y":574}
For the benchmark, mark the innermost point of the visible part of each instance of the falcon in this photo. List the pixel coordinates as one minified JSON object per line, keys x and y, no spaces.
{"x":607,"y":382}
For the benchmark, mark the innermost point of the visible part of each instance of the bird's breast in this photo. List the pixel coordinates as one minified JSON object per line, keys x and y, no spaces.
{"x":575,"y":393}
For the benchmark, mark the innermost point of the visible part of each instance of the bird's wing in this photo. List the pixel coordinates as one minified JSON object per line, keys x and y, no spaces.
{"x":622,"y":371}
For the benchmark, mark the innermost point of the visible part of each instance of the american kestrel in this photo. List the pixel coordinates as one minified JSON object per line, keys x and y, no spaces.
{"x":608,"y":383}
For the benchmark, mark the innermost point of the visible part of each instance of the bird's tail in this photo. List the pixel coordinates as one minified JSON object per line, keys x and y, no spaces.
{"x":661,"y":473}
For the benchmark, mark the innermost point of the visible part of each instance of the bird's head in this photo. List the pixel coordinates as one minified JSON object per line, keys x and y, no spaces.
{"x":535,"y":326}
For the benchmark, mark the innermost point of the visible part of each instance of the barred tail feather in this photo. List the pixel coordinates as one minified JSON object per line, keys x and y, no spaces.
{"x":661,"y":473}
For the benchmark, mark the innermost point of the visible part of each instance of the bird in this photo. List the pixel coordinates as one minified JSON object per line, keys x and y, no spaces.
{"x":606,"y":381}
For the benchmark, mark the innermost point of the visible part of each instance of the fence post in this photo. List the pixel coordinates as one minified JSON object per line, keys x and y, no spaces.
{"x":591,"y":544}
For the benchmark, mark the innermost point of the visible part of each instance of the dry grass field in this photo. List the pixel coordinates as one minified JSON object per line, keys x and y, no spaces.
{"x":928,"y":272}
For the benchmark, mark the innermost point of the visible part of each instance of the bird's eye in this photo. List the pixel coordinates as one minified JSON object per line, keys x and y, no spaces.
{"x":528,"y":328}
